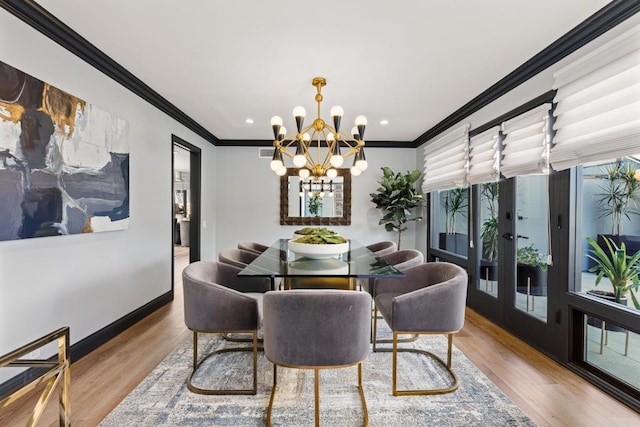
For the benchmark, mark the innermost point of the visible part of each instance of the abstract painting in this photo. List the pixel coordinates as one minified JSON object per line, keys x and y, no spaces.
{"x":64,"y":163}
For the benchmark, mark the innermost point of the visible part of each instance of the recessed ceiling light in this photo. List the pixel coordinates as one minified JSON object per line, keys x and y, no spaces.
{"x":384,"y":122}
{"x":248,"y":121}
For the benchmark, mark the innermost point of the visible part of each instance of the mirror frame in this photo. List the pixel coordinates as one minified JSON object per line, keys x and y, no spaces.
{"x":285,"y":219}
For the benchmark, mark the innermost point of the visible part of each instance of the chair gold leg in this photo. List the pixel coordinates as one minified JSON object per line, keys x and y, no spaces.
{"x":374,"y":329}
{"x":316,"y":394}
{"x":454,"y":379}
{"x":229,"y":338}
{"x":195,"y":350}
{"x":273,"y":393}
{"x":362,"y":399}
{"x":394,"y":374}
{"x":196,"y":364}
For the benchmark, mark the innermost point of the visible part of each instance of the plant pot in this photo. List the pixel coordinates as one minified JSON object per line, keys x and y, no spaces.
{"x":631,"y":242}
{"x":596,"y":322}
{"x":534,"y":277}
{"x":456,"y":243}
{"x":488,"y":270}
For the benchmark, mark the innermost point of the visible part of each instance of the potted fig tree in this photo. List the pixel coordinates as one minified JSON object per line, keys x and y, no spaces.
{"x":397,"y":197}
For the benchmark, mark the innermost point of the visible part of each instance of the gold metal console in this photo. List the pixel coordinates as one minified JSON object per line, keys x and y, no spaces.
{"x":55,"y":373}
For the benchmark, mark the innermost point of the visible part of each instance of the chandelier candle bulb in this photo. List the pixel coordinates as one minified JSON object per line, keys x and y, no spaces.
{"x":276,"y":122}
{"x":282,"y":133}
{"x":361,"y":161}
{"x":276,"y":161}
{"x":361,"y":123}
{"x":336,"y":114}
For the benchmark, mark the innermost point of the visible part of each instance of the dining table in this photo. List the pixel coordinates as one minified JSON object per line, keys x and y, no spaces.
{"x":294,"y":270}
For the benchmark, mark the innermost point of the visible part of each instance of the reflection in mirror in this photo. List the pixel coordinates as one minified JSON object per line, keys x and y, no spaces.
{"x":316,"y":198}
{"x":315,"y":203}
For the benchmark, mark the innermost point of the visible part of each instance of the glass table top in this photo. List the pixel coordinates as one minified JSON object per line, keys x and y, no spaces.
{"x":357,"y":261}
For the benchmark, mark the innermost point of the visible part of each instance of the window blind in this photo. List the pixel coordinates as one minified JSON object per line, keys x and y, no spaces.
{"x":598,"y":104}
{"x":445,"y":160}
{"x":525,"y":148}
{"x":483,"y":157}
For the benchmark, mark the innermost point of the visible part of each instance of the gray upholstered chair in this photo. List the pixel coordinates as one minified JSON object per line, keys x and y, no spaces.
{"x":315,"y":329}
{"x":211,"y":307}
{"x":254,"y":247}
{"x":402,"y":260}
{"x":228,"y":276}
{"x":238,"y":257}
{"x":383,"y":248}
{"x":430,"y":299}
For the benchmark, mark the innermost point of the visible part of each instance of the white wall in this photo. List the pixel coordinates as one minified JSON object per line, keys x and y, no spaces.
{"x":248,"y":199}
{"x":89,"y":281}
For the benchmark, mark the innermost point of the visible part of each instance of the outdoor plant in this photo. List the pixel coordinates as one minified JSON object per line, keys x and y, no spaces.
{"x":621,"y":269}
{"x":489,"y":228}
{"x":397,"y":196}
{"x":489,"y":236}
{"x":454,"y":203}
{"x":529,"y":255}
{"x":620,"y":194}
{"x":315,"y":203}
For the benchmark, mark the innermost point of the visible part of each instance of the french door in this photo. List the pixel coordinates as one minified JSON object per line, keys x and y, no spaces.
{"x":513,"y":282}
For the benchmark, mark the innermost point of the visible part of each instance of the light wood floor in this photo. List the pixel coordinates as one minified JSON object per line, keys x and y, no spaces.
{"x":548,"y":393}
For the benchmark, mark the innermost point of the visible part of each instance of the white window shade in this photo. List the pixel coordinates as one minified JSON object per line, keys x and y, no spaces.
{"x":483,"y":157}
{"x":525,"y":147}
{"x":445,"y":160}
{"x":598,"y":104}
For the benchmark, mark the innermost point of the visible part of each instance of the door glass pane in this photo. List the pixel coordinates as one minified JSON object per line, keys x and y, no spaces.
{"x":452,"y":224}
{"x":489,"y":238}
{"x":610,"y":210}
{"x":613,"y":349}
{"x":532,"y":243}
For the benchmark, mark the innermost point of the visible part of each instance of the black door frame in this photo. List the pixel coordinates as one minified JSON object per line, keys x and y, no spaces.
{"x":195,"y":172}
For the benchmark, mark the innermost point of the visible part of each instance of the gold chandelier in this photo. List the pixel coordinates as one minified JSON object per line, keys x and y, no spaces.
{"x":319,"y":139}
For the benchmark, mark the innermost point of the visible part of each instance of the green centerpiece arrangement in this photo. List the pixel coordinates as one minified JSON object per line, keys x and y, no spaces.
{"x":321,"y":239}
{"x":314,"y":230}
{"x":318,"y":242}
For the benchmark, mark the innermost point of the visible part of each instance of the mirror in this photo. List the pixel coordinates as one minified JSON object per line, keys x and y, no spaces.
{"x":310,"y":210}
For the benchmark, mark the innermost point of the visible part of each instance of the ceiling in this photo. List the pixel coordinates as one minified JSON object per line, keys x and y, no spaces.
{"x":412,"y":63}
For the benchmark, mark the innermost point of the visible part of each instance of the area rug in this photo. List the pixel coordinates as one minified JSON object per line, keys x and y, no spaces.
{"x":163,"y":399}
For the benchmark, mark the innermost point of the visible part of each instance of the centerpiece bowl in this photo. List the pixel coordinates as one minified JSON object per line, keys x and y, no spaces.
{"x":318,"y":251}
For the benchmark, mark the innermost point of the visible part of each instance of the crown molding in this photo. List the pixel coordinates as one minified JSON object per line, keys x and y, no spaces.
{"x":269,"y":143}
{"x":41,"y":20}
{"x":597,"y":24}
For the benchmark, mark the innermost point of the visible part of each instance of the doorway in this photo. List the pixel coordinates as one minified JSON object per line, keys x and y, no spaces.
{"x":185,"y":198}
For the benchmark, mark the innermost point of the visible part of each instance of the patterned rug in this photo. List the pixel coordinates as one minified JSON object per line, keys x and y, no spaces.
{"x":163,"y":399}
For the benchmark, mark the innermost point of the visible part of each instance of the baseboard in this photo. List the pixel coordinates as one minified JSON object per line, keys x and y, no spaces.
{"x":93,"y":341}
